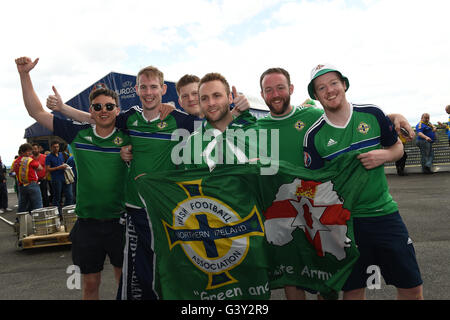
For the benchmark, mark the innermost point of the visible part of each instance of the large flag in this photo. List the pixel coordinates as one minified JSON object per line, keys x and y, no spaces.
{"x":209,"y":233}
{"x":210,"y":229}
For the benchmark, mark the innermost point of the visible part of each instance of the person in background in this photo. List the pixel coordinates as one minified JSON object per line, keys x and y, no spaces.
{"x":25,"y":168}
{"x":446,"y":125}
{"x":16,"y":183}
{"x":71,"y":162}
{"x":401,"y":163}
{"x":3,"y":189}
{"x":56,"y":165}
{"x":42,"y":175}
{"x":426,"y":135}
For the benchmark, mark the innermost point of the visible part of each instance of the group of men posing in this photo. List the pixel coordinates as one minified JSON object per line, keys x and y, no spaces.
{"x":109,"y":141}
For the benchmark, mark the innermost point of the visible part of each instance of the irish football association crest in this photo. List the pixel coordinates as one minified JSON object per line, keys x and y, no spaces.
{"x":363,"y":128}
{"x":213,"y":236}
{"x":162,"y":124}
{"x":118,"y":141}
{"x":299,"y":125}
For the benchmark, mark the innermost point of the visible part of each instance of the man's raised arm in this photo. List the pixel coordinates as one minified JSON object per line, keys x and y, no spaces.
{"x":30,"y":98}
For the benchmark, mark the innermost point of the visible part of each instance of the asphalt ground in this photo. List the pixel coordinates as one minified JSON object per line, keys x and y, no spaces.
{"x":424,"y":202}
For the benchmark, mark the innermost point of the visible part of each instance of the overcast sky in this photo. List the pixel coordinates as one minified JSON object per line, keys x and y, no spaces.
{"x":395,"y":53}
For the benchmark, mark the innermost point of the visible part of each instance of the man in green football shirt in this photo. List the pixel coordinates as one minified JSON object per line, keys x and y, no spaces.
{"x":292,"y":123}
{"x":149,"y":150}
{"x":221,"y":138}
{"x":380,"y":233}
{"x":187,"y":90}
{"x":151,"y":145}
{"x":101,"y":173}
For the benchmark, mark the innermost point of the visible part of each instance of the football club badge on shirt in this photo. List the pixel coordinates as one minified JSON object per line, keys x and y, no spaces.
{"x":162,"y":125}
{"x":118,"y":141}
{"x":213,"y":236}
{"x":363,"y":128}
{"x":299,"y":125}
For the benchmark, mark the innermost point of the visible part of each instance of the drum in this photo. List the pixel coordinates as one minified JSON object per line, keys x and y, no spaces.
{"x":69,"y":217}
{"x":45,"y":220}
{"x":25,"y":224}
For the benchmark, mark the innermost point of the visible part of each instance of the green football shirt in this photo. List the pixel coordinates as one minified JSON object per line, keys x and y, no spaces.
{"x":291,"y":130}
{"x":367,"y":129}
{"x":152,"y":144}
{"x":209,"y":147}
{"x":101,"y":172}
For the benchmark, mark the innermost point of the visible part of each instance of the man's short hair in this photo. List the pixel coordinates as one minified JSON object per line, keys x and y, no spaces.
{"x":54,"y":142}
{"x":25,"y":147}
{"x":185,"y":80}
{"x":275,"y":70}
{"x":104,"y":92}
{"x":215,"y":76}
{"x":151,"y":72}
{"x":35,"y":144}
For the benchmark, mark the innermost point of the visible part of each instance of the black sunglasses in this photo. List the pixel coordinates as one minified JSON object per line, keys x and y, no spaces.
{"x":98,"y":106}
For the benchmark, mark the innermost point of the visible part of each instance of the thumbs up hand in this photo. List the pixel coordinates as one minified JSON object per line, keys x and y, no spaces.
{"x":54,"y":102}
{"x":240,"y":102}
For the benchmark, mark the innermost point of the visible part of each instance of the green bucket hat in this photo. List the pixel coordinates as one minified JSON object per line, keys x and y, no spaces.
{"x":319,"y":70}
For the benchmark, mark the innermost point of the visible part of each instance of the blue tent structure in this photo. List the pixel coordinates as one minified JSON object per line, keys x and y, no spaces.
{"x":124,"y":85}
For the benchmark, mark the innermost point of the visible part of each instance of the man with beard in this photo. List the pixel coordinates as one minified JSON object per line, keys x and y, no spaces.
{"x":187,"y":90}
{"x":209,"y":145}
{"x":292,"y":123}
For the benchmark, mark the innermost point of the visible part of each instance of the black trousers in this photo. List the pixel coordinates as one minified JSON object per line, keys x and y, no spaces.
{"x":3,"y":195}
{"x":400,"y":163}
{"x":43,"y":184}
